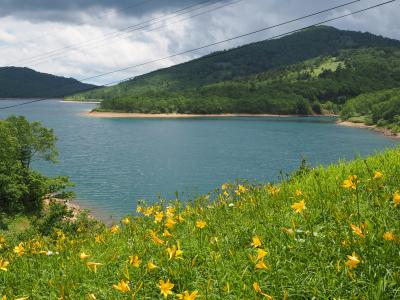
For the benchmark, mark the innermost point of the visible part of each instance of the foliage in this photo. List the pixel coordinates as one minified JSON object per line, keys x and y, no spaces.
{"x":380,"y":108}
{"x":243,"y":61}
{"x":21,"y":188}
{"x":327,"y":233}
{"x":26,"y":83}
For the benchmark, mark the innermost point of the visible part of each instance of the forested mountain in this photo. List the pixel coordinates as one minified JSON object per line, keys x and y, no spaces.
{"x":26,"y":83}
{"x":322,"y":83}
{"x":247,"y":60}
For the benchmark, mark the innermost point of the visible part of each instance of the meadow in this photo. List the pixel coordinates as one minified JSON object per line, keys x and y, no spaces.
{"x":319,"y":233}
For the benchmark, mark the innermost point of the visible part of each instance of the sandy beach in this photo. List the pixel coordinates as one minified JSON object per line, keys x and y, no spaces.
{"x":384,"y":131}
{"x":87,"y":102}
{"x":177,"y":116}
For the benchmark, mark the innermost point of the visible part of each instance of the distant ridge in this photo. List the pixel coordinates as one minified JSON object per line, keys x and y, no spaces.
{"x":16,"y":82}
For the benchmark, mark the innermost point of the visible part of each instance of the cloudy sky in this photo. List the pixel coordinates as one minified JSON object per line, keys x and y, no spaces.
{"x":85,"y":38}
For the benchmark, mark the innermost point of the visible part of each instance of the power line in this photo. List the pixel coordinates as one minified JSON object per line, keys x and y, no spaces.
{"x":40,"y":61}
{"x":118,"y":32}
{"x":82,"y":23}
{"x":224,"y":41}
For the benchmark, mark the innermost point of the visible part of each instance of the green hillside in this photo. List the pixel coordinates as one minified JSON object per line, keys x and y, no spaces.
{"x":244,"y":61}
{"x":380,"y":108}
{"x":26,"y":83}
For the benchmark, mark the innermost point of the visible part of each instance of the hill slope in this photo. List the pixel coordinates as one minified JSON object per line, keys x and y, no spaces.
{"x":327,"y":233}
{"x":18,"y":82}
{"x":246,"y":60}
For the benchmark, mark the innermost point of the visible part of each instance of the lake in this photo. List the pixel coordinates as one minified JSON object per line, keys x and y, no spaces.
{"x":115,"y":162}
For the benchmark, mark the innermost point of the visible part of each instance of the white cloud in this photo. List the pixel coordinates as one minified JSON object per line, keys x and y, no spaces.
{"x":45,"y":35}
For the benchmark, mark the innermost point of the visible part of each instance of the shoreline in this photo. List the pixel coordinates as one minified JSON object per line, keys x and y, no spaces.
{"x":88,"y":102}
{"x":384,"y":131}
{"x":120,"y":115}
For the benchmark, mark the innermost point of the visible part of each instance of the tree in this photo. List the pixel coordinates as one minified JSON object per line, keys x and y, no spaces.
{"x":35,"y":141}
{"x":21,"y":142}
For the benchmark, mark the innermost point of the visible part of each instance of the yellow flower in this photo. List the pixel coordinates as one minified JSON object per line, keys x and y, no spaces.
{"x":155,"y":238}
{"x":396,"y":198}
{"x":2,"y":241}
{"x":122,"y":286}
{"x":273,"y":190}
{"x":19,"y":250}
{"x":175,"y":252}
{"x":115,"y":229}
{"x":225,"y":193}
{"x":126,"y":221}
{"x":350,"y":182}
{"x":388,"y":236}
{"x":99,"y":239}
{"x":151,"y":266}
{"x":357,"y":230}
{"x":158,"y":217}
{"x":4,"y":264}
{"x":261,"y":253}
{"x":298,"y":193}
{"x":378,"y":175}
{"x":256,"y":241}
{"x":201,"y":224}
{"x":166,"y":287}
{"x":170,"y":223}
{"x":166,"y":233}
{"x":261,"y":265}
{"x":135,"y":261}
{"x":188,"y":296}
{"x":83,"y":255}
{"x":224,"y":187}
{"x":298,"y":206}
{"x":93,"y":266}
{"x":257,"y":288}
{"x":352,"y":261}
{"x":170,"y":212}
{"x":148,"y":211}
{"x":180,"y":219}
{"x":240,"y":190}
{"x":91,"y":297}
{"x":21,"y":298}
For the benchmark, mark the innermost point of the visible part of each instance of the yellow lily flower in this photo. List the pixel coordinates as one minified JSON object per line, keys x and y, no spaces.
{"x":93,"y":266}
{"x":19,"y":250}
{"x":122,"y":286}
{"x":4,"y":264}
{"x":357,"y":230}
{"x":352,"y":261}
{"x":299,"y":206}
{"x":83,"y":255}
{"x":186,"y":295}
{"x":396,"y":198}
{"x":166,"y":288}
{"x":201,"y":224}
{"x":257,"y":288}
{"x":134,"y":261}
{"x":114,"y":229}
{"x":155,"y":238}
{"x":175,"y":252}
{"x":151,"y":266}
{"x":387,"y":236}
{"x":256,"y":241}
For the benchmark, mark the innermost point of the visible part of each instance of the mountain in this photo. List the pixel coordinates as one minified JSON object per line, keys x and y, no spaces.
{"x":247,"y":60}
{"x":18,"y":82}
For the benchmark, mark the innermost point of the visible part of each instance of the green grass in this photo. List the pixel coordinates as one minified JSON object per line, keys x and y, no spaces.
{"x":306,"y":252}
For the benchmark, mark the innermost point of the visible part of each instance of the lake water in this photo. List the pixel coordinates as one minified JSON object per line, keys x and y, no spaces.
{"x":115,"y":162}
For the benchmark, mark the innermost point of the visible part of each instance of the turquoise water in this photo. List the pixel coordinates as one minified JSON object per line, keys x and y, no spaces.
{"x":115,"y":162}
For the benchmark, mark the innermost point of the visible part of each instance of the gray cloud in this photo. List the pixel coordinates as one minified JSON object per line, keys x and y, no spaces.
{"x":71,"y":11}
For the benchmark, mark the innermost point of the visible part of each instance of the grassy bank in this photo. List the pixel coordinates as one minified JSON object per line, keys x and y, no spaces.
{"x":326,"y":233}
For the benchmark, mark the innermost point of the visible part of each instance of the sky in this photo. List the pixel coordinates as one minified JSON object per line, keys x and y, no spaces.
{"x":86,"y":38}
